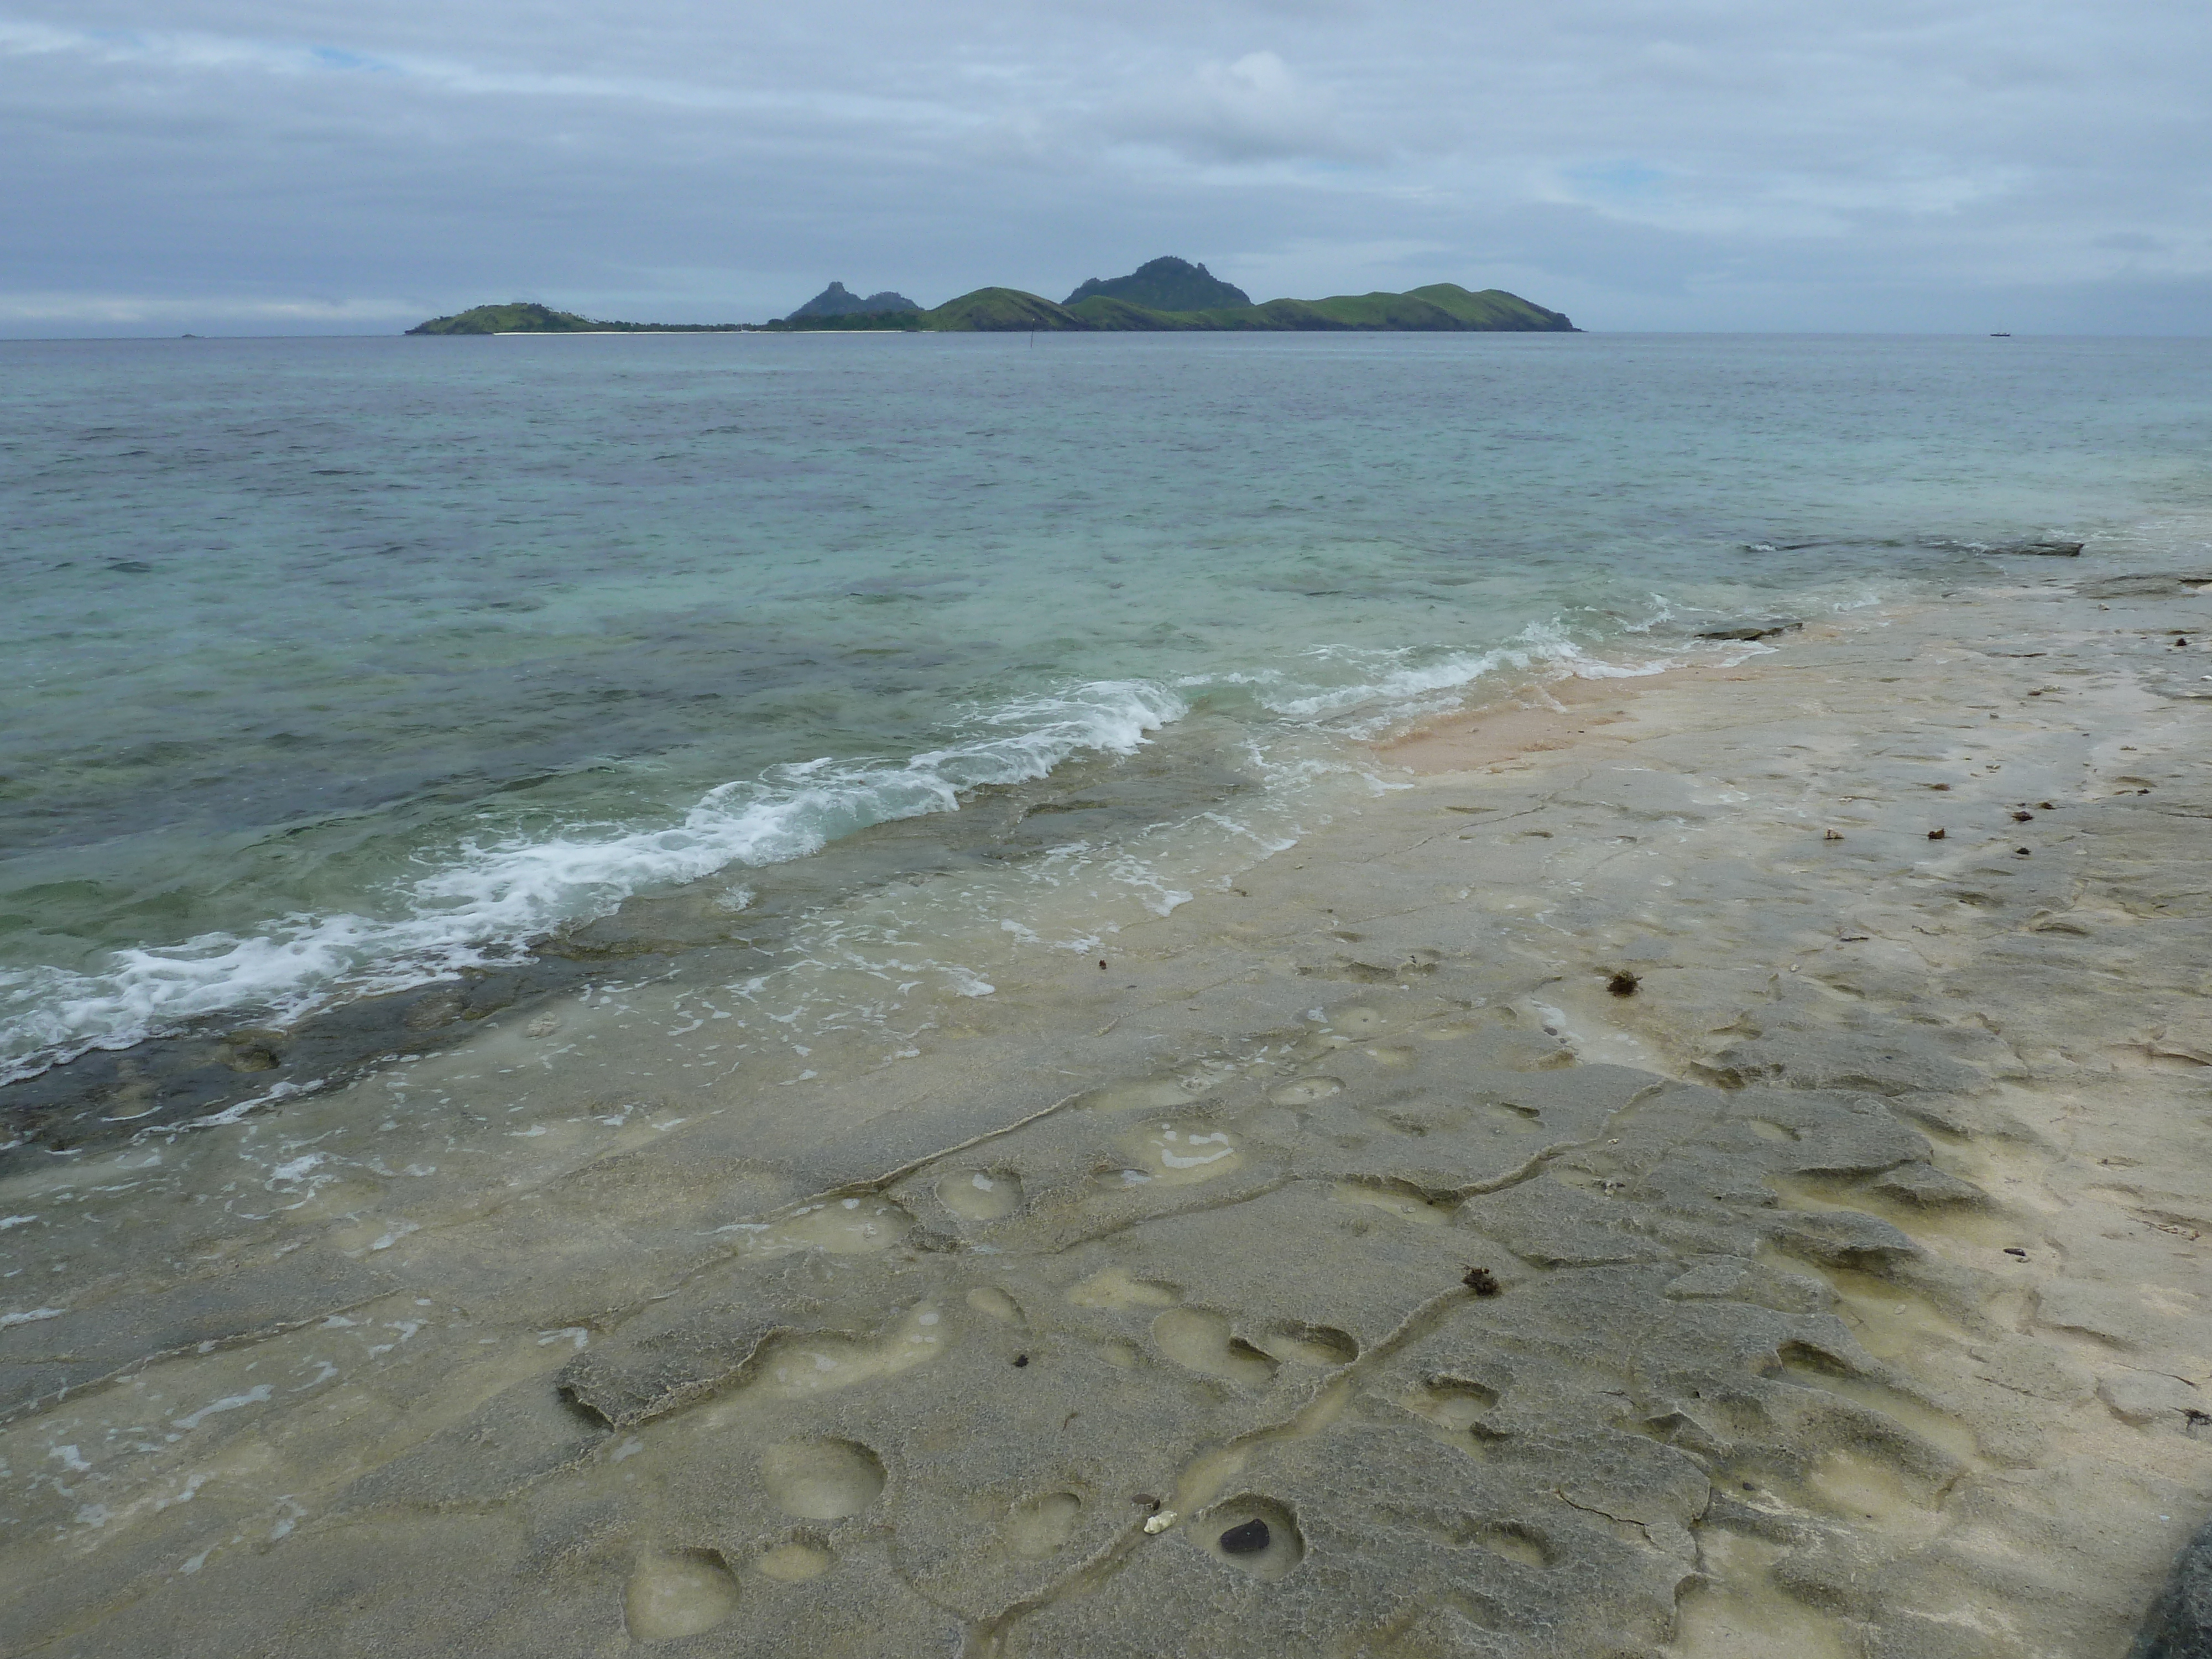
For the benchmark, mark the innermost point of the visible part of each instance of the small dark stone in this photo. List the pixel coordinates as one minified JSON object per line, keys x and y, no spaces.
{"x":1020,"y":1360}
{"x":1754,"y":630}
{"x":439,"y":1008}
{"x":2046,"y":807}
{"x":250,"y":1057}
{"x":1934,"y":835}
{"x":2014,"y":1249}
{"x":1147,"y":1502}
{"x":2022,"y":818}
{"x":1623,"y":984}
{"x":1102,"y":966}
{"x":2023,"y":852}
{"x":1248,"y":1540}
{"x":1481,"y":1281}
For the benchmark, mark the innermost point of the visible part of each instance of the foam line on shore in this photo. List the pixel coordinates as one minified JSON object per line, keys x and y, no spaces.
{"x":493,"y":900}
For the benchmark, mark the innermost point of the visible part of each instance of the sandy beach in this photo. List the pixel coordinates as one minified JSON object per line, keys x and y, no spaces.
{"x":1710,"y":1165}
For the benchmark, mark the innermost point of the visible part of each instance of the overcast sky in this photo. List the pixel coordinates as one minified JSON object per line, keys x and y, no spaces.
{"x":245,"y":166}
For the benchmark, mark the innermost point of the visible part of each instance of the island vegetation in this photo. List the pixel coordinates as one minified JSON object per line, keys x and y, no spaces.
{"x":1157,"y":297}
{"x":1166,"y":284}
{"x":527,"y":317}
{"x":838,"y":300}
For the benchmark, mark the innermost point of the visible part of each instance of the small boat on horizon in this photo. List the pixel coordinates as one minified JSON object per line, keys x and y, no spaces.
{"x":2000,"y":337}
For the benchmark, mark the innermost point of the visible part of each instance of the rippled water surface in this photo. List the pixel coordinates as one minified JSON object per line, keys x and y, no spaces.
{"x":333,"y":665}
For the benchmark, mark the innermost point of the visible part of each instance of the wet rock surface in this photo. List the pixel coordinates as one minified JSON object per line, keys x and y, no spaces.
{"x":2180,"y":1624}
{"x":2045,"y":549}
{"x":1770,"y":629}
{"x":102,"y":1098}
{"x":1350,"y":1272}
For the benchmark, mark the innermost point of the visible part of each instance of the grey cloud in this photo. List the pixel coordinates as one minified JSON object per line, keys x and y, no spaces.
{"x":1254,"y":108}
{"x":218,"y":165}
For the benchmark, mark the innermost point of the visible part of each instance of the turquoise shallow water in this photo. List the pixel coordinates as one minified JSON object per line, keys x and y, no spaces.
{"x":334,"y":665}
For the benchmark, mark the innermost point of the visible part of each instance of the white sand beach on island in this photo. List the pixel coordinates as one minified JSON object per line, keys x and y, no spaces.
{"x":1625,"y":1188}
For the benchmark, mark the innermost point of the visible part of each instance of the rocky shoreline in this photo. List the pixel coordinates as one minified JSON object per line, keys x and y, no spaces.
{"x":1631,"y":1191}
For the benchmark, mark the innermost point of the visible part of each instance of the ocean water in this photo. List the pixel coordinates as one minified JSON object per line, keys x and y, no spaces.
{"x":334,"y":666}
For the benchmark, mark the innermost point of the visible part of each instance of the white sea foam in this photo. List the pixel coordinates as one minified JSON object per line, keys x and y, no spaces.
{"x":490,"y":901}
{"x":1395,"y":690}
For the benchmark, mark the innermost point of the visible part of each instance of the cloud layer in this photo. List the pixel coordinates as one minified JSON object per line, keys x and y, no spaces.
{"x":234,"y":166}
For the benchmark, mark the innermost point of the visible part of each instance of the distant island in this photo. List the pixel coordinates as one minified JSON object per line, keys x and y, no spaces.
{"x":1169,"y":284}
{"x":836,"y":301}
{"x":526,"y":317}
{"x":1166,"y":295}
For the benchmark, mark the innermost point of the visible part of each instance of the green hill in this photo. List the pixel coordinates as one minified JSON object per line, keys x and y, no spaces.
{"x":520,"y":317}
{"x":1492,"y":308}
{"x":1380,"y":311}
{"x":1441,"y":307}
{"x":1118,"y":316}
{"x":527,"y":317}
{"x":838,"y":300}
{"x":999,"y":311}
{"x":1165,"y":284}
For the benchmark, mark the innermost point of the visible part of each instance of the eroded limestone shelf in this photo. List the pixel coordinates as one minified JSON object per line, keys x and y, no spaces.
{"x":1631,"y":1192}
